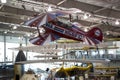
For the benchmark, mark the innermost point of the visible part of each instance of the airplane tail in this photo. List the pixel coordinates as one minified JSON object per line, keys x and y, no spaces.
{"x":89,"y":66}
{"x":94,"y":36}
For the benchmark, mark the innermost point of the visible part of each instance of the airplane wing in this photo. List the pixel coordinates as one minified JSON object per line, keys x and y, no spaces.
{"x":45,"y":38}
{"x":52,"y":48}
{"x":41,"y":19}
{"x":47,"y":56}
{"x":63,"y":60}
{"x":6,"y":62}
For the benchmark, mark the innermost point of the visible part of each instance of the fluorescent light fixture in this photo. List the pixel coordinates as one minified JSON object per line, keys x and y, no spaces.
{"x":14,"y":27}
{"x":3,"y":1}
{"x":61,"y":2}
{"x":86,"y":29}
{"x":76,"y":10}
{"x":5,"y":32}
{"x":49,"y":8}
{"x":85,"y":16}
{"x":19,"y":37}
{"x":13,"y":32}
{"x":28,"y":35}
{"x":107,"y":60}
{"x":117,"y":22}
{"x":108,"y":33}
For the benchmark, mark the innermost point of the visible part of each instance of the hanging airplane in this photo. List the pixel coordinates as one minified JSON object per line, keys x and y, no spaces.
{"x":74,"y":70}
{"x":51,"y":28}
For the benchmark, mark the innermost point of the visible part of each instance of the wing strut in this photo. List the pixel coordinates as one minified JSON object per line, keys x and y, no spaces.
{"x":39,"y":33}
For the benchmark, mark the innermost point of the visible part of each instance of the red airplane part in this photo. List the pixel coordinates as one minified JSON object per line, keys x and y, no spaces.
{"x":56,"y":29}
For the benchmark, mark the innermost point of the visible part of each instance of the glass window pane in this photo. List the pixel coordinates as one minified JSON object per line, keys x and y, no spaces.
{"x":1,"y":51}
{"x":11,"y":39}
{"x":13,"y":42}
{"x":1,"y":48}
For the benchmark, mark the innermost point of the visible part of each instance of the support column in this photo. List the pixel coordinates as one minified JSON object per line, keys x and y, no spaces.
{"x":26,"y":45}
{"x":4,"y":48}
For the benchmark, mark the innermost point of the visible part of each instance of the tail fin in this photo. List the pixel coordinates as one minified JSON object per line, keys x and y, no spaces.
{"x":96,"y":35}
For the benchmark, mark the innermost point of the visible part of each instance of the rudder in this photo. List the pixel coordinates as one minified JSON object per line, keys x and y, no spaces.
{"x":95,"y":33}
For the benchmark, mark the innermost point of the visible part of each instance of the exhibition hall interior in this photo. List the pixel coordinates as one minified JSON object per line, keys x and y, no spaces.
{"x":59,"y":39}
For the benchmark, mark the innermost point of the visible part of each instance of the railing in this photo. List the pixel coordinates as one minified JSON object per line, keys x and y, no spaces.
{"x":97,"y":56}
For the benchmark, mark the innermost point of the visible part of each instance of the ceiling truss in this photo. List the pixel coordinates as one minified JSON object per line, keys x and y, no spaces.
{"x":103,"y":16}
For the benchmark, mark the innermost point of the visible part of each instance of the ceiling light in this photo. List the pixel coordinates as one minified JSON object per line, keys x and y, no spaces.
{"x":61,"y":2}
{"x":13,"y":32}
{"x":107,"y":33}
{"x":49,"y":8}
{"x":19,"y":37}
{"x":75,"y":10}
{"x":14,"y":27}
{"x":86,"y":29}
{"x":1,"y":6}
{"x":3,"y":1}
{"x":78,"y":11}
{"x":28,"y":34}
{"x":5,"y":32}
{"x":117,"y":22}
{"x":85,"y":16}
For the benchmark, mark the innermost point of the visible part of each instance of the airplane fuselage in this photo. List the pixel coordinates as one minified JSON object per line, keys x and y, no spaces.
{"x":70,"y":32}
{"x":74,"y":70}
